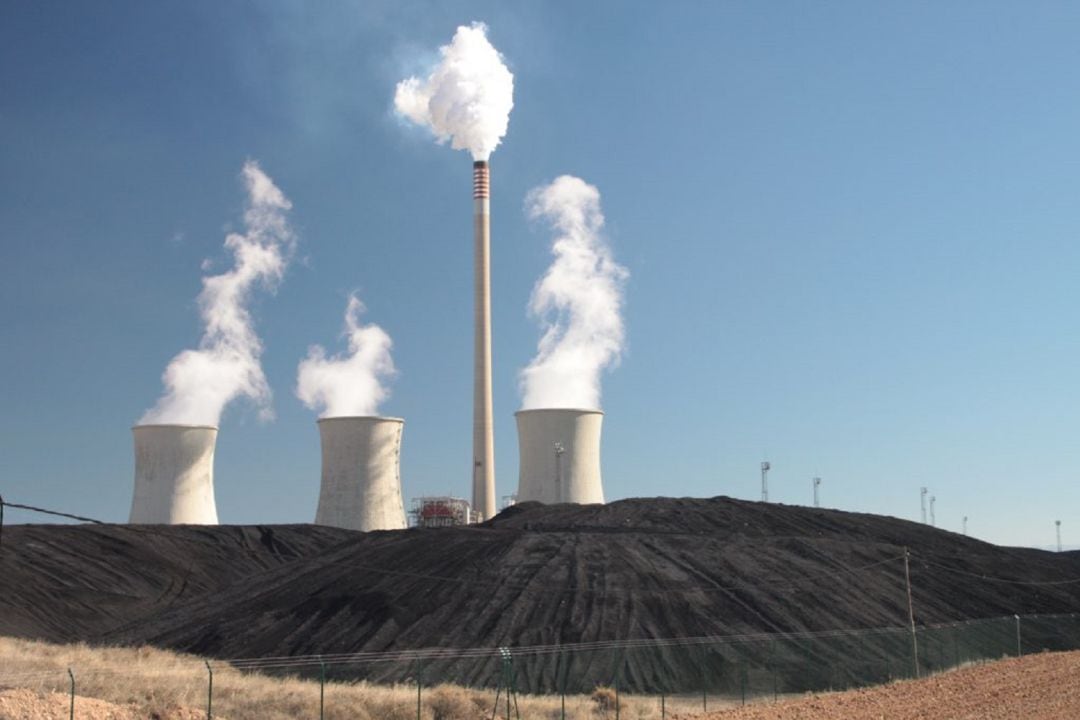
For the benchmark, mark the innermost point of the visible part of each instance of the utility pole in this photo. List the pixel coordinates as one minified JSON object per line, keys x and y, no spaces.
{"x":1058,"y":524}
{"x":922,"y":501}
{"x":933,"y":521}
{"x":765,"y":467}
{"x":911,"y":613}
{"x":817,"y":484}
{"x":965,"y":525}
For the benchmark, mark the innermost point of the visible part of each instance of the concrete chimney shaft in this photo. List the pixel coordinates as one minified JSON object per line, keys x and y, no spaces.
{"x":483,"y":466}
{"x":361,"y":473}
{"x":560,"y":456}
{"x":174,"y":475}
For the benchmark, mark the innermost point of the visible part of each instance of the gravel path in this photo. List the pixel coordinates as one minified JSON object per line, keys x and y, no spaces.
{"x":1035,"y":687}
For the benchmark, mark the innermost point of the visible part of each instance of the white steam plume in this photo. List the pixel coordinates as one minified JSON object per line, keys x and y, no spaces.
{"x":350,"y":384}
{"x":468,"y":96}
{"x":200,"y":383}
{"x":578,"y":301}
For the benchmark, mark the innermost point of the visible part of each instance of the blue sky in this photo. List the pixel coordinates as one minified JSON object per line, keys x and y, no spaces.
{"x":852,"y":232}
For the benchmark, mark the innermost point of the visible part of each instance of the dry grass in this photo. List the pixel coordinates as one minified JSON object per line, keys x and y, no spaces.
{"x":158,"y":682}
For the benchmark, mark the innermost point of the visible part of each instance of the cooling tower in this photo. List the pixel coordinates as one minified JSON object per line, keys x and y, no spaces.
{"x":174,"y":475}
{"x":560,"y":456}
{"x":361,"y":473}
{"x":483,"y":436}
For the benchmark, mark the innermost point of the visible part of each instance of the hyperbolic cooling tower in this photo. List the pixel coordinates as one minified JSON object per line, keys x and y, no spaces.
{"x":361,"y":473}
{"x":174,"y":475}
{"x":483,"y":436}
{"x":560,"y":456}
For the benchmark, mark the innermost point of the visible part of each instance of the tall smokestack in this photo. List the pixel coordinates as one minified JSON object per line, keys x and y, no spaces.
{"x":483,"y":435}
{"x":174,"y":475}
{"x":560,"y":456}
{"x":361,"y":473}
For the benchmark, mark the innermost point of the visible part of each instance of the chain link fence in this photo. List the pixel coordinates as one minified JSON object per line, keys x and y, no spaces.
{"x":641,"y":679}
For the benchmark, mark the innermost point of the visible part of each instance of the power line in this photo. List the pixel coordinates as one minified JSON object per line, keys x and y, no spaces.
{"x":51,"y":512}
{"x":989,"y":578}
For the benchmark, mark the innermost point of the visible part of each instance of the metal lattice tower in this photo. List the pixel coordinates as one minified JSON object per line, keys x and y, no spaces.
{"x":765,"y":467}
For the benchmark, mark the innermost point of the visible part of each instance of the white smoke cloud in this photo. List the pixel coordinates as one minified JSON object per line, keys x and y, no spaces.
{"x":578,"y":301}
{"x":468,"y":96}
{"x":200,"y":383}
{"x":352,"y":384}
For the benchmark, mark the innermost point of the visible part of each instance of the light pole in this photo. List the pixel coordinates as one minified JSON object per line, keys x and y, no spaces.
{"x":559,"y":450}
{"x":765,"y":467}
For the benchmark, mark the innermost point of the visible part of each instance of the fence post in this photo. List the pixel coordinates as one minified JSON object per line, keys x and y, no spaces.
{"x":419,"y":686}
{"x":209,"y":691}
{"x":322,"y":685}
{"x":1019,"y":647}
{"x":564,"y":670}
{"x":71,"y":713}
{"x":742,"y":680}
{"x":956,"y":645}
{"x":772,"y":666}
{"x":704,"y":686}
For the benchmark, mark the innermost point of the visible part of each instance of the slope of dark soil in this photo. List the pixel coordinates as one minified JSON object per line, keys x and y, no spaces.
{"x":65,"y":583}
{"x":641,"y":568}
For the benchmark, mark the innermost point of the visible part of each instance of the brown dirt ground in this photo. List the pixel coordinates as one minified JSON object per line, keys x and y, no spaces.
{"x":1035,"y":687}
{"x":29,"y":705}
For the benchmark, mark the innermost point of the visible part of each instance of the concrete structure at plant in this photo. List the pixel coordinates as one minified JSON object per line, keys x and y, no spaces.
{"x":483,"y":467}
{"x":361,"y":473}
{"x":174,"y":475}
{"x":560,"y":456}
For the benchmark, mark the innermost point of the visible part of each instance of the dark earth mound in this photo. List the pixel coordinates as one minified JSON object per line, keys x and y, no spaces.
{"x":67,"y":583}
{"x":640,"y":568}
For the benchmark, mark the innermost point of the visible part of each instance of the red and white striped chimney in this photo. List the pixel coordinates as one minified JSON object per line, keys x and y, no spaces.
{"x":483,"y":497}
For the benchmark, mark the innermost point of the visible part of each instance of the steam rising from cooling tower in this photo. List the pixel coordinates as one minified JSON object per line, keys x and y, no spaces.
{"x":578,"y":301}
{"x":467,"y":98}
{"x":350,"y":384}
{"x":200,"y":383}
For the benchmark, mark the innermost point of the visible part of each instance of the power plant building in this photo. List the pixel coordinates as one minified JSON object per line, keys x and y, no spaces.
{"x":559,"y":456}
{"x":361,"y":473}
{"x":174,"y":475}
